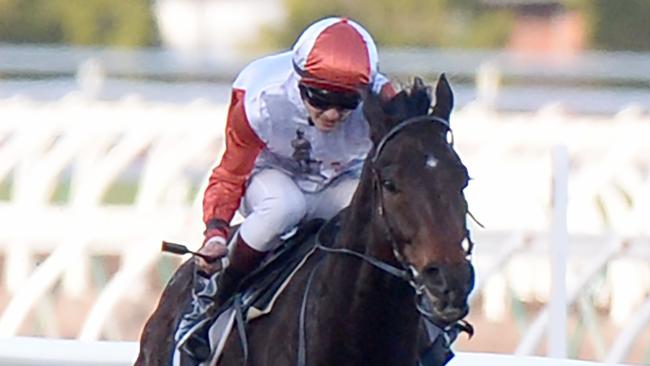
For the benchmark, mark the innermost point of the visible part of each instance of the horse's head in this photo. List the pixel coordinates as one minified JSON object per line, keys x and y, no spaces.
{"x":419,"y":181}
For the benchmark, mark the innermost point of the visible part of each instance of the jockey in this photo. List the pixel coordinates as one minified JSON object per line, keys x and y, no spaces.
{"x":296,"y":139}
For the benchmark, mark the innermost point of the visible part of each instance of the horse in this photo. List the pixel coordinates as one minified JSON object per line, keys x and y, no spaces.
{"x":403,"y":239}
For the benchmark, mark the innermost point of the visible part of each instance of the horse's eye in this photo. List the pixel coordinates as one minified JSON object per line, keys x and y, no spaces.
{"x":389,"y":185}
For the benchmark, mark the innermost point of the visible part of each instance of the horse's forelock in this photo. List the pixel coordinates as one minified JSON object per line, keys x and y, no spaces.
{"x":411,"y":101}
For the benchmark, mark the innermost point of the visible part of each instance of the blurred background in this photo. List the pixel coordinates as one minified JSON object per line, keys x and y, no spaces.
{"x":112,"y":114}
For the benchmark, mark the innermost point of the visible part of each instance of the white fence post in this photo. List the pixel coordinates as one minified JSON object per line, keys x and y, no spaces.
{"x":557,"y":334}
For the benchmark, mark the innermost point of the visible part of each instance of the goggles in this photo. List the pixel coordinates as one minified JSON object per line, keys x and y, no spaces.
{"x":325,"y":99}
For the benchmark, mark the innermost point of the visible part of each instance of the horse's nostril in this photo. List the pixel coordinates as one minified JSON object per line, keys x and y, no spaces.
{"x":432,"y":271}
{"x":434,"y":277}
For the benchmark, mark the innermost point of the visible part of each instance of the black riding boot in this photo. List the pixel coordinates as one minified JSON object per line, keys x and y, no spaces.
{"x":243,"y":260}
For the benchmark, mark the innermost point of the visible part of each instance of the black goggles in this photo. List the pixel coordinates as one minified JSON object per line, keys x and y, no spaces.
{"x":325,"y":99}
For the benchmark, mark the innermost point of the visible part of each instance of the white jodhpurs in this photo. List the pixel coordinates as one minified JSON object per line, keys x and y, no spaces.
{"x":273,"y":204}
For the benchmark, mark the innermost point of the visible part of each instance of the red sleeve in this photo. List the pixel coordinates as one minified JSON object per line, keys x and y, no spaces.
{"x":226,"y":184}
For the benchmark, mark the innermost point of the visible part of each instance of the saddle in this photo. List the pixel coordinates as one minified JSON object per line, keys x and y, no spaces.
{"x":260,"y":288}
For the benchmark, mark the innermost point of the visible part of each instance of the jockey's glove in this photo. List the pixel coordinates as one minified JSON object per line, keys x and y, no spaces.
{"x":216,"y":248}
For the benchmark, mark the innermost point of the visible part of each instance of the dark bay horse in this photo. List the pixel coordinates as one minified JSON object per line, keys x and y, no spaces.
{"x":409,"y":212}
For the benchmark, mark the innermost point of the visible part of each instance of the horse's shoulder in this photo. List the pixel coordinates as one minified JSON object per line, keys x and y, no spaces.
{"x":160,"y":326}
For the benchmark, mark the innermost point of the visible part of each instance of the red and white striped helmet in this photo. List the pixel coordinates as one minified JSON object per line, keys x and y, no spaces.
{"x":335,"y":53}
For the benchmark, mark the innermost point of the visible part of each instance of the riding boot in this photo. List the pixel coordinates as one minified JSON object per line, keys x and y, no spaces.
{"x":243,"y":260}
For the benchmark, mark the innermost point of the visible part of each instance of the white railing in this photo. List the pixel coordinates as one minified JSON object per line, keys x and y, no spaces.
{"x":96,"y":144}
{"x":20,"y":352}
{"x":166,"y":151}
{"x":28,"y":351}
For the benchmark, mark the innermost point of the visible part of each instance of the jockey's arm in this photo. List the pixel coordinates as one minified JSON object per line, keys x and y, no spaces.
{"x":228,"y":180}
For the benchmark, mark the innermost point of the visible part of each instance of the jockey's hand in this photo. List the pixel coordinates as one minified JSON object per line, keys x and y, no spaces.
{"x":214,"y":247}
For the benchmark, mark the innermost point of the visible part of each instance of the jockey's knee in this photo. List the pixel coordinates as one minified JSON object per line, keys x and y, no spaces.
{"x":275,"y":217}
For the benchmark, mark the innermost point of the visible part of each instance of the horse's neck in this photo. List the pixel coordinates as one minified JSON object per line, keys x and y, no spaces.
{"x":363,"y":230}
{"x":373,"y":309}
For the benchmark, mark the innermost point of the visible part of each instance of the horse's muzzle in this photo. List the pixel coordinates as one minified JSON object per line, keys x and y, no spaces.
{"x":448,"y":288}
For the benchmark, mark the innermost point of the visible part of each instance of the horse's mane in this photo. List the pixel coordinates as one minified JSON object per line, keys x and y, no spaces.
{"x":412,"y":100}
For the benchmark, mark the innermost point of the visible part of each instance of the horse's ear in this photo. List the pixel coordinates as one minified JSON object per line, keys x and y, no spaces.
{"x":396,"y":107}
{"x":420,"y":97}
{"x":444,"y":98}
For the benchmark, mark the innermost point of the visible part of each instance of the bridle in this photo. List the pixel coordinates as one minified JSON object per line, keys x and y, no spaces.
{"x":408,"y":272}
{"x":381,"y":210}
